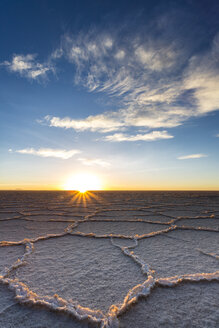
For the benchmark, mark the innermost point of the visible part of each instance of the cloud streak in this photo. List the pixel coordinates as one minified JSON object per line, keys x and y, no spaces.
{"x":94,"y":161}
{"x":192,"y":156}
{"x":48,"y":152}
{"x":101,"y":123}
{"x":152,"y":136}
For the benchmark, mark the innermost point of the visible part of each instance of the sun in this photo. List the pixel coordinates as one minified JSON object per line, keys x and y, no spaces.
{"x":83,"y":182}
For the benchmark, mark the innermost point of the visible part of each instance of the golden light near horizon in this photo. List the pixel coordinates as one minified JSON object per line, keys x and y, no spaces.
{"x":83,"y":182}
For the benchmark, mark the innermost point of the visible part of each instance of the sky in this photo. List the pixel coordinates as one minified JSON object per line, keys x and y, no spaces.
{"x":127,"y":91}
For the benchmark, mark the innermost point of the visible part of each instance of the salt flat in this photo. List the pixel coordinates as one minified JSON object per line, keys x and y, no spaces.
{"x":112,"y":259}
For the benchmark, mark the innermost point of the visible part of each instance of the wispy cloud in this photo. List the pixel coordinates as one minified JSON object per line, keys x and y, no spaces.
{"x":192,"y":156}
{"x":152,"y":136}
{"x":94,"y":161}
{"x":156,"y":59}
{"x":153,"y":80}
{"x":27,"y":66}
{"x":113,"y":121}
{"x":103,"y":63}
{"x":48,"y":152}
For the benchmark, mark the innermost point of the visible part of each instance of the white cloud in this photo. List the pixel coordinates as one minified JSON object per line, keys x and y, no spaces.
{"x":156,"y":58}
{"x":152,"y":136}
{"x":108,"y":42}
{"x":217,"y":135}
{"x":202,"y":76}
{"x":147,"y":79}
{"x":205,"y":83}
{"x":57,"y":53}
{"x":101,"y":123}
{"x":114,"y":121}
{"x":27,"y":66}
{"x":139,"y":74}
{"x":192,"y":156}
{"x":94,"y":161}
{"x":120,"y":54}
{"x":48,"y":152}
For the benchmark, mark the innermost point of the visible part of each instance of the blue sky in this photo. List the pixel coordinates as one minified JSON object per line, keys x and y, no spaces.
{"x":126,"y":90}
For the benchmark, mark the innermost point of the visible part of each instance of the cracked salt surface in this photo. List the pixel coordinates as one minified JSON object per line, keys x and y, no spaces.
{"x":203,"y":222}
{"x":91,"y":271}
{"x":19,"y":230}
{"x":129,"y":229}
{"x":114,"y":259}
{"x":13,"y":314}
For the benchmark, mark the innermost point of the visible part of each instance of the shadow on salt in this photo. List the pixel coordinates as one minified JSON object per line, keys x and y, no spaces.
{"x":186,"y":305}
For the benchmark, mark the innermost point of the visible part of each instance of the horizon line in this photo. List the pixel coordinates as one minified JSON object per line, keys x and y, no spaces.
{"x":112,"y":190}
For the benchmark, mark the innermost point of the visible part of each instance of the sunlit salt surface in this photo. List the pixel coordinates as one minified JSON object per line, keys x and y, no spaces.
{"x":109,"y":259}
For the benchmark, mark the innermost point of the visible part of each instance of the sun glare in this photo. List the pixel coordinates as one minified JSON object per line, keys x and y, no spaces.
{"x":83,"y":183}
